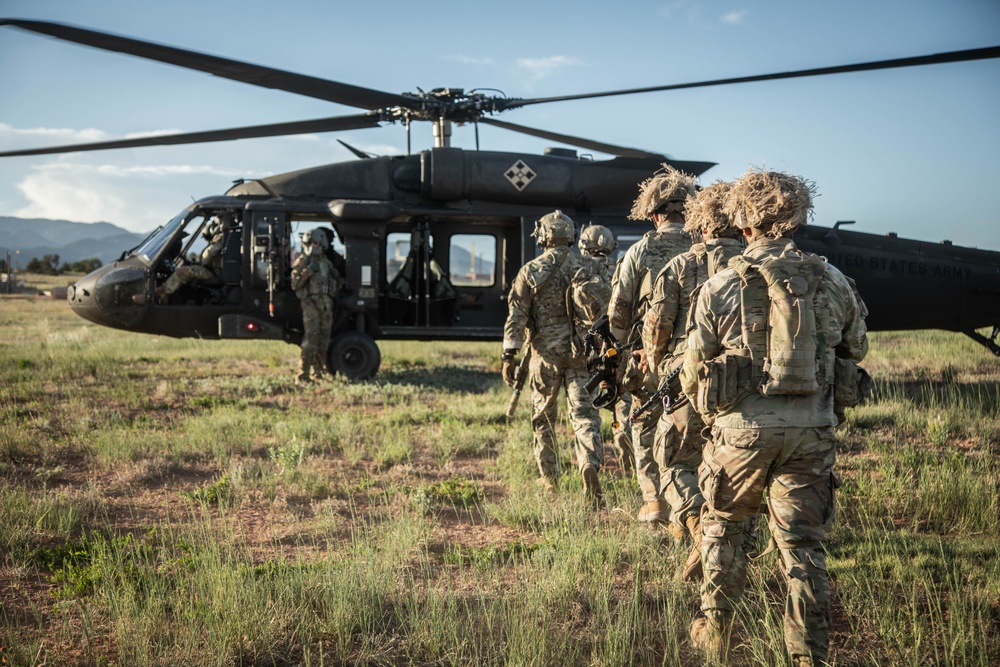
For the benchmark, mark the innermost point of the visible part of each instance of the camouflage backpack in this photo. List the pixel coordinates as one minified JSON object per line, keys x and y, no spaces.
{"x":785,"y":319}
{"x":660,"y":248}
{"x":590,"y":291}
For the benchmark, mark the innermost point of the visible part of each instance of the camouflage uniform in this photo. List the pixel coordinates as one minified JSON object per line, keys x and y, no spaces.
{"x":599,"y":250}
{"x":209,"y":266}
{"x":678,"y":443}
{"x":316,"y":282}
{"x":630,"y":291}
{"x":783,"y":444}
{"x":539,"y":303}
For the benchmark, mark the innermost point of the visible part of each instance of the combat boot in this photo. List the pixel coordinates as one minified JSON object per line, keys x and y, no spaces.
{"x":710,"y":635}
{"x":657,"y":511}
{"x":303,"y":378}
{"x":692,"y":568}
{"x":677,"y":532}
{"x":592,"y":488}
{"x":547,"y":484}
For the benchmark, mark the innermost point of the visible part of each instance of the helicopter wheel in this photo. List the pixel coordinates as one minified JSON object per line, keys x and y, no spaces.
{"x":354,"y":355}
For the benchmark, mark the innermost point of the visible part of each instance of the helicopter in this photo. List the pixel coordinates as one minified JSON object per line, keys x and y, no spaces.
{"x":429,"y":243}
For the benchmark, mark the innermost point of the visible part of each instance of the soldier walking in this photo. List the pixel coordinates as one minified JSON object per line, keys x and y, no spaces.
{"x":316,"y":283}
{"x":541,"y":305}
{"x":661,"y":200}
{"x":679,"y":442}
{"x":767,"y":340}
{"x":598,"y":242}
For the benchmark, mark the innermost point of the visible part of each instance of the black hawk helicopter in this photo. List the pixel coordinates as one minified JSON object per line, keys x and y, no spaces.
{"x":432,"y":241}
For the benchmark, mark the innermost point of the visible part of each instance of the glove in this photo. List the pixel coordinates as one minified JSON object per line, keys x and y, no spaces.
{"x":508,"y":368}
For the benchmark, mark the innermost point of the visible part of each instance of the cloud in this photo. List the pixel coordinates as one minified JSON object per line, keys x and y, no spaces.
{"x":51,"y":133}
{"x":475,"y":61}
{"x":540,"y":68}
{"x":735,"y":17}
{"x":134,"y":197}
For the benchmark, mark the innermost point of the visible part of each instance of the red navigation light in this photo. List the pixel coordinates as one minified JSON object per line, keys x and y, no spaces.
{"x":251,"y":326}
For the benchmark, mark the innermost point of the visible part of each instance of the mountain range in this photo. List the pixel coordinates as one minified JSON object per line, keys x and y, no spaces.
{"x":72,"y":241}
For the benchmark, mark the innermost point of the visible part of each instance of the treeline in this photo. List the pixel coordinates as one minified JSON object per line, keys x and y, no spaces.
{"x":49,"y":265}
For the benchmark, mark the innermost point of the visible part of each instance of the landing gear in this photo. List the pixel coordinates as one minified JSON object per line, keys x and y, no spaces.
{"x":354,"y":355}
{"x":989,"y":343}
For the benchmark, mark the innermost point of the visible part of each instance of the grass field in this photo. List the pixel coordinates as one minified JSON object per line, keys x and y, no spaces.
{"x":180,"y":502}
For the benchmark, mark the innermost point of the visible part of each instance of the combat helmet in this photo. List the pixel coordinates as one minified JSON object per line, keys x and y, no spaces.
{"x":773,"y":201}
{"x":703,"y":212}
{"x":554,"y":229}
{"x":597,"y":240}
{"x":667,"y":189}
{"x":315,"y":235}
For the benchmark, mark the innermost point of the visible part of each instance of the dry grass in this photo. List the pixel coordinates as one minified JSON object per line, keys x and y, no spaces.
{"x":181,"y":502}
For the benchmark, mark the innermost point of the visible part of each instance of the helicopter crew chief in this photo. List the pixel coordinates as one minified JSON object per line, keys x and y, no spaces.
{"x":679,"y":442}
{"x":661,"y":199}
{"x":540,"y":305}
{"x":209,"y":263}
{"x":316,"y":283}
{"x":768,"y":343}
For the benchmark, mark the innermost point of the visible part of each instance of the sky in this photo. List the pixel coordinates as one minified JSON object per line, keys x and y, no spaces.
{"x":912,"y":151}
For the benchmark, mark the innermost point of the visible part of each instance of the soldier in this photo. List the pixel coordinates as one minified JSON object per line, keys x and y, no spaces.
{"x":316,"y":283}
{"x":767,"y":340}
{"x":661,"y":199}
{"x":209,"y":261}
{"x":598,"y":242}
{"x":540,"y":304}
{"x":678,"y":443}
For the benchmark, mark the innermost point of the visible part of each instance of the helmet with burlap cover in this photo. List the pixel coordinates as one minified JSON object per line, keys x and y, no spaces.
{"x":554,"y":229}
{"x":597,"y":240}
{"x":316,"y":235}
{"x":665,"y":192}
{"x":775,"y":202}
{"x":703,"y":212}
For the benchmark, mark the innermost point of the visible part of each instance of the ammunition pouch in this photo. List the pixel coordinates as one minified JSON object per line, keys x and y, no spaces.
{"x":851,"y":385}
{"x":722,"y":381}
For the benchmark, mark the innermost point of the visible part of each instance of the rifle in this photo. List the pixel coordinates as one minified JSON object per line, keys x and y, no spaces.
{"x":669,"y":393}
{"x":604,"y":365}
{"x":520,"y":376}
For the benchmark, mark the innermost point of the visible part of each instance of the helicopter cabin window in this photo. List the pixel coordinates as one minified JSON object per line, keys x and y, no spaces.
{"x":625,"y":241}
{"x":472,"y":260}
{"x":336,"y":251}
{"x":397,"y":248}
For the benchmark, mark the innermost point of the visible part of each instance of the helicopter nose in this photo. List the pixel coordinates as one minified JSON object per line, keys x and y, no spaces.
{"x":108,"y":296}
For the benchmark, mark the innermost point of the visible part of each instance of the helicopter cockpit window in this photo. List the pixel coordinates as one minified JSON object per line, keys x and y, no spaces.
{"x":472,"y":260}
{"x":154,"y":244}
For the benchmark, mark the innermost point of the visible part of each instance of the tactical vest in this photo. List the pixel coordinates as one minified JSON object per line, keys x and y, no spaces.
{"x":786,"y":319}
{"x":325,"y":280}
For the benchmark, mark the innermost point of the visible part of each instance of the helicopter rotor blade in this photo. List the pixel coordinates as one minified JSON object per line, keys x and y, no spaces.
{"x":579,"y":142}
{"x":933,"y":59}
{"x":257,"y":75}
{"x":332,"y":124}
